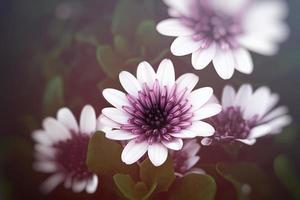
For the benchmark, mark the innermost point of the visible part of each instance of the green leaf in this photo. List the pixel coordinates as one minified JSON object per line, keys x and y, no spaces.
{"x":132,"y":190}
{"x":104,"y":157}
{"x":108,"y":60}
{"x":53,"y":97}
{"x":287,"y":173}
{"x":162,"y":175}
{"x":193,"y":187}
{"x":248,"y":179}
{"x":122,"y":46}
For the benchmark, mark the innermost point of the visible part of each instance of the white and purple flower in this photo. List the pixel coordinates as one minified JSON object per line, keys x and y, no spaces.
{"x":61,"y":150}
{"x":185,"y":159}
{"x":222,"y":31}
{"x":248,"y":115}
{"x":157,"y":112}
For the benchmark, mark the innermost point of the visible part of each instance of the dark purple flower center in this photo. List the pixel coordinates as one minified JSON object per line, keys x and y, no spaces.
{"x":71,"y":156}
{"x":230,"y":125}
{"x":156,"y":112}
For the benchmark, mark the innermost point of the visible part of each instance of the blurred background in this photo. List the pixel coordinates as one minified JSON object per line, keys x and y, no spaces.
{"x":63,"y":53}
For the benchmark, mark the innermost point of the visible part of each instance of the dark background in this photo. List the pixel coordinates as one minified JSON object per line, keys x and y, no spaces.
{"x":31,"y":33}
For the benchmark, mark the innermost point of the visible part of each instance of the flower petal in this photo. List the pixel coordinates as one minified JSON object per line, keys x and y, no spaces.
{"x":40,"y":136}
{"x":174,"y":144}
{"x":184,"y":45}
{"x":202,"y":57}
{"x":247,"y":141}
{"x":116,"y":98}
{"x":259,"y":131}
{"x":166,"y":73}
{"x":224,"y":63}
{"x":66,"y":117}
{"x":199,"y":97}
{"x":146,"y":74}
{"x":55,"y":129}
{"x":243,"y":96}
{"x":92,"y":185}
{"x":228,"y":96}
{"x":129,"y":83}
{"x":173,"y":27}
{"x":79,"y":185}
{"x":116,"y":115}
{"x":52,"y":182}
{"x":105,"y":124}
{"x":157,"y":153}
{"x":184,"y":134}
{"x":88,"y":120}
{"x":243,"y":61}
{"x":207,"y":111}
{"x":187,"y":81}
{"x":133,"y":151}
{"x":120,"y":135}
{"x":282,"y":110}
{"x":202,"y":129}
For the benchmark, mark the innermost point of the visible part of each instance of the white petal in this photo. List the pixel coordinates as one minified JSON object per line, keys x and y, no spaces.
{"x":133,"y":151}
{"x":145,"y":73}
{"x":120,"y":135}
{"x":129,"y":83}
{"x":243,"y":96}
{"x":279,"y":122}
{"x":45,"y":166}
{"x":92,"y":185}
{"x":207,"y":111}
{"x":190,"y":162}
{"x":247,"y":141}
{"x":88,"y":120}
{"x":52,"y":182}
{"x":40,"y":136}
{"x":243,"y":61}
{"x":166,"y":73}
{"x":199,"y":97}
{"x":78,"y":186}
{"x":174,"y":144}
{"x":116,"y":115}
{"x":184,"y":45}
{"x":228,"y":96}
{"x":258,"y":45}
{"x":273,"y":100}
{"x":116,"y":98}
{"x":259,"y":131}
{"x":105,"y":124}
{"x":202,"y":57}
{"x":44,"y":150}
{"x":66,"y":117}
{"x":173,"y":27}
{"x":191,"y":147}
{"x":55,"y":129}
{"x":275,"y":113}
{"x":224,"y":63}
{"x":232,"y":7}
{"x":187,"y":81}
{"x":196,"y":171}
{"x":202,"y":129}
{"x":184,"y":134}
{"x":157,"y":153}
{"x":183,"y":7}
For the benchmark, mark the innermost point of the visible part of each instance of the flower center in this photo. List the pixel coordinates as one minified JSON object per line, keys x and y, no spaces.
{"x":230,"y":124}
{"x":217,"y":27}
{"x":156,"y":112}
{"x":71,"y":156}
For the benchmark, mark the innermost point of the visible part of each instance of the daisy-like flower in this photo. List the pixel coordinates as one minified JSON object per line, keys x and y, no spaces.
{"x":248,"y":115}
{"x":185,"y":159}
{"x":61,"y":150}
{"x":157,"y":113}
{"x":222,"y":31}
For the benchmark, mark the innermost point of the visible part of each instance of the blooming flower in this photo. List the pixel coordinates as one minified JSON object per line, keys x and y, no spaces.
{"x":248,"y":115}
{"x":61,"y":150}
{"x":223,"y":31}
{"x":186,"y":158}
{"x":157,"y":113}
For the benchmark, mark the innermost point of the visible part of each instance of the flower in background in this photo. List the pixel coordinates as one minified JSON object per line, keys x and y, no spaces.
{"x":248,"y":115}
{"x":185,"y":160}
{"x":157,"y":113}
{"x":61,"y":150}
{"x":223,"y":31}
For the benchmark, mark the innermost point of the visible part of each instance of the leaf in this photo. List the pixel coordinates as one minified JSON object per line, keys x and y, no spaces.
{"x":248,"y":179}
{"x":193,"y":187}
{"x":287,"y":173}
{"x":104,"y":157}
{"x":122,"y":46}
{"x":132,"y":190}
{"x":53,"y":97}
{"x":162,"y":175}
{"x":108,"y":60}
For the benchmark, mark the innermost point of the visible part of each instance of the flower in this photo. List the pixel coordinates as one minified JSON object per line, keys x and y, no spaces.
{"x":157,"y":113}
{"x":248,"y":115}
{"x":185,"y":159}
{"x":223,"y":31}
{"x":61,"y":150}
